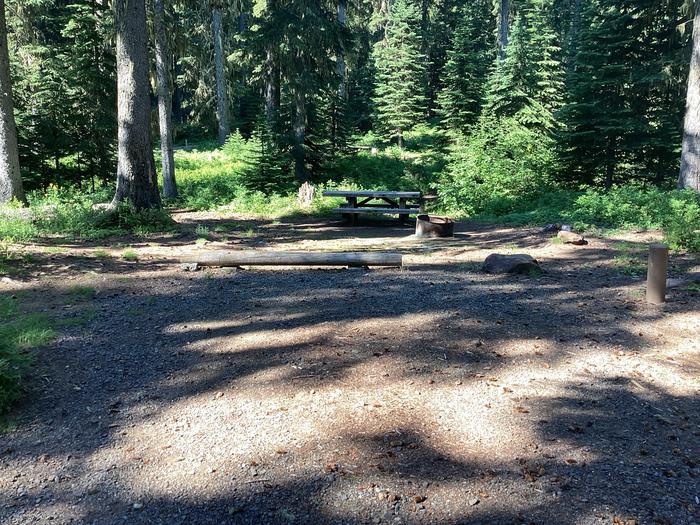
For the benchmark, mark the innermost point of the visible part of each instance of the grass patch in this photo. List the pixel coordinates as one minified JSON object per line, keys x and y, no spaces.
{"x":18,"y":334}
{"x":101,"y":254}
{"x":629,"y":264}
{"x":55,"y":249}
{"x":82,"y":292}
{"x":202,"y":231}
{"x":130,"y":256}
{"x":693,"y":287}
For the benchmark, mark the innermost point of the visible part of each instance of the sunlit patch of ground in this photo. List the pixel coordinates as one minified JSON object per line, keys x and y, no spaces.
{"x":436,"y":394}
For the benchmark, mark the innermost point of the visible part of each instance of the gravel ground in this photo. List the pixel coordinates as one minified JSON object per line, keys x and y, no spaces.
{"x":434,"y":394}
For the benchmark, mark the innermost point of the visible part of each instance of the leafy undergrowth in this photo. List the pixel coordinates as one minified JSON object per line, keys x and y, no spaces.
{"x":236,"y":179}
{"x":677,"y":213}
{"x":70,"y":213}
{"x":19,"y":333}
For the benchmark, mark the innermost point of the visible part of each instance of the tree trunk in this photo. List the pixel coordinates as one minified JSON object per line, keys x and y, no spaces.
{"x":272,"y":87}
{"x":300,"y":135}
{"x":340,"y":57}
{"x":272,"y":77}
{"x":10,"y":178}
{"x":221,"y":101}
{"x":136,"y":174}
{"x":690,"y":158}
{"x":503,"y":29}
{"x":165,"y":106}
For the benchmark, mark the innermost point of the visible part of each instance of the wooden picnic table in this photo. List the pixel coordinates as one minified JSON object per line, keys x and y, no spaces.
{"x":401,"y":203}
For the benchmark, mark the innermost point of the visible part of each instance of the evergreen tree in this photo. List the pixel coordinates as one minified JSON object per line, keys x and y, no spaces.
{"x":528,"y":84}
{"x":623,"y":111}
{"x":466,"y":69}
{"x":400,"y":100}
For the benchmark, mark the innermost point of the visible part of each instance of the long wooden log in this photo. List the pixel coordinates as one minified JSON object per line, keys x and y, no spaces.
{"x":271,"y":258}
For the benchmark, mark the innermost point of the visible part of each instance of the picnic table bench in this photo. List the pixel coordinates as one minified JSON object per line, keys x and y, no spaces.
{"x":401,"y":203}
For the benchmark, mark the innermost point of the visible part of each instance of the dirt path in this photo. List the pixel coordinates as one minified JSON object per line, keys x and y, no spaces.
{"x":437,"y":394}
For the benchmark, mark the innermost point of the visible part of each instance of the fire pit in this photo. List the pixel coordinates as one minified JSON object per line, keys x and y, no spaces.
{"x":433,"y":226}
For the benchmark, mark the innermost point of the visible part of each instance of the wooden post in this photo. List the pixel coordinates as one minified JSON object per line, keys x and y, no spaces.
{"x":656,"y":274}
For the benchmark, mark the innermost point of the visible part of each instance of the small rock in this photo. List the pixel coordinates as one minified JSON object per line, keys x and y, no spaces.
{"x":566,"y":227}
{"x":550,"y":228}
{"x":137,"y":506}
{"x":473,"y":502}
{"x":419,"y":498}
{"x":189,"y":267}
{"x":572,"y":238}
{"x":519,"y":263}
{"x":393,"y":498}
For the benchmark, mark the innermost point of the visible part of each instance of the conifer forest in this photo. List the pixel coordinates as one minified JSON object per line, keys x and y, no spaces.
{"x":491,"y":105}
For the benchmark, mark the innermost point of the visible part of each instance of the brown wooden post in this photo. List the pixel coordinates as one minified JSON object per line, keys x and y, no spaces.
{"x":656,"y":274}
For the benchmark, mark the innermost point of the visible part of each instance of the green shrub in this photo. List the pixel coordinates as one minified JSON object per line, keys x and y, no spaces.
{"x":18,"y":334}
{"x":498,"y":167}
{"x":682,"y":224}
{"x":15,"y":227}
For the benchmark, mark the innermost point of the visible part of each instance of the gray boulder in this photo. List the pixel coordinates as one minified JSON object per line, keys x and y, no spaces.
{"x":519,"y":263}
{"x":572,"y":238}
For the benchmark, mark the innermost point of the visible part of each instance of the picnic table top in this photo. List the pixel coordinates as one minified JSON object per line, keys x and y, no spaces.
{"x":369,"y":193}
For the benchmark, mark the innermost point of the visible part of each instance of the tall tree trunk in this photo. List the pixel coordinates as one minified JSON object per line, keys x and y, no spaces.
{"x":300,"y":135}
{"x":221,"y":100}
{"x":10,"y":178}
{"x":165,"y":106}
{"x":504,"y":18}
{"x":340,"y":56}
{"x":272,"y":77}
{"x":272,"y":87}
{"x":136,"y":174}
{"x":690,"y":158}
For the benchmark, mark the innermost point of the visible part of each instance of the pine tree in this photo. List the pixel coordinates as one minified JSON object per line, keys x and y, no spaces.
{"x":528,"y":84}
{"x":623,"y":110}
{"x":400,"y":100}
{"x":466,"y":69}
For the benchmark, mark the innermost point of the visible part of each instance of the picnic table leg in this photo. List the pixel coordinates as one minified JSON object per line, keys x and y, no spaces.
{"x":353,"y":217}
{"x":348,"y":216}
{"x":402,"y":217}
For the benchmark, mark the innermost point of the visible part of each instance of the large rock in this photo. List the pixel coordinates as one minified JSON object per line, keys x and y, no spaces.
{"x":572,"y":238}
{"x":519,"y":263}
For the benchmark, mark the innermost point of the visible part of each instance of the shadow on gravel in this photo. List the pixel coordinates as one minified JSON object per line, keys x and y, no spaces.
{"x":154,"y":343}
{"x":643,"y":450}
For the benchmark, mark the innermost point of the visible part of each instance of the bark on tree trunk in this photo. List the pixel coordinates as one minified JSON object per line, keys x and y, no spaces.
{"x":272,"y":78}
{"x":300,"y":135}
{"x":221,"y":101}
{"x":272,"y":90}
{"x":10,"y":178}
{"x":136,"y":174}
{"x":503,"y":29}
{"x":164,"y":102}
{"x":690,"y":158}
{"x":340,"y":57}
